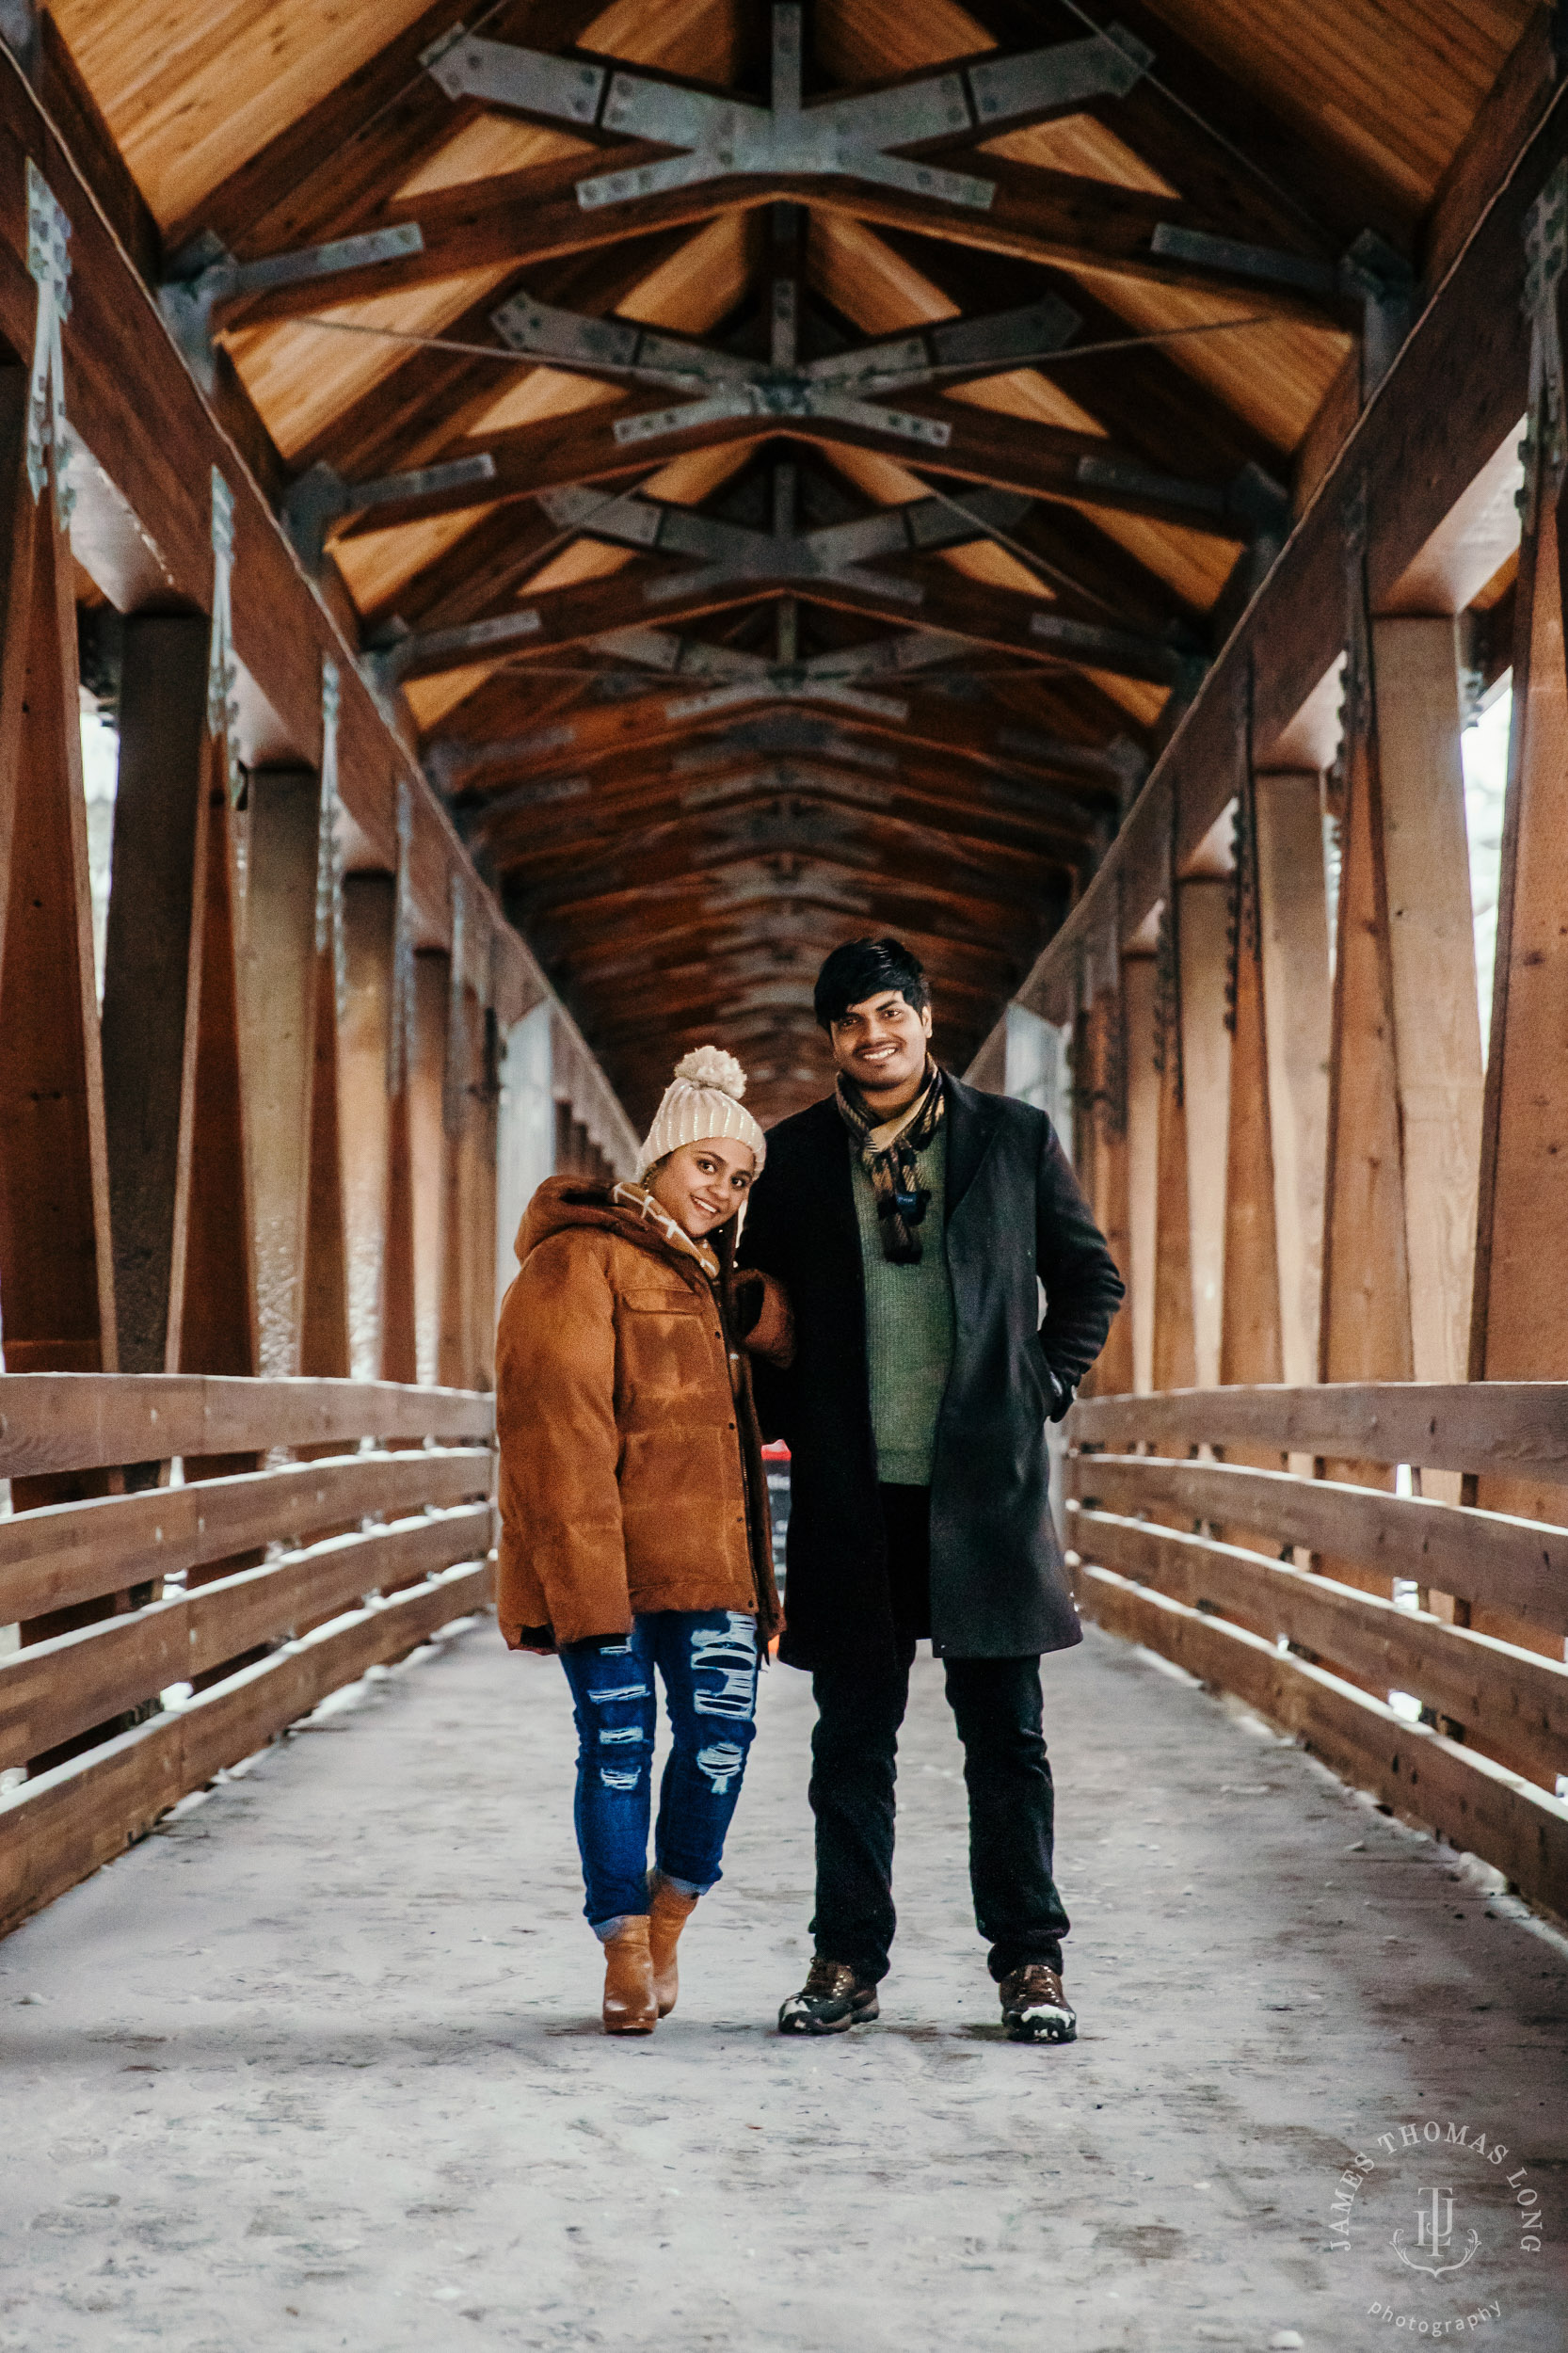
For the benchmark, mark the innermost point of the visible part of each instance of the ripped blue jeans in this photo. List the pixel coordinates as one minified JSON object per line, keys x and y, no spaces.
{"x":708,"y":1660}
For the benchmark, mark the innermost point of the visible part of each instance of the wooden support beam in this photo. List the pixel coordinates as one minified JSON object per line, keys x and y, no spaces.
{"x":1249,"y":1333}
{"x":150,"y":972}
{"x":1113,"y":1374}
{"x":1043,"y":461}
{"x":1364,"y":1330}
{"x":521,"y":742}
{"x":324,"y":1338}
{"x":1519,"y":1328}
{"x":213,"y":1293}
{"x":277,"y":1036}
{"x":482,"y":1195}
{"x":1206,"y":1062}
{"x":1413,"y":454}
{"x":926,"y":595}
{"x":1365,"y":1333}
{"x":364,"y":1048}
{"x":1139,"y":983}
{"x":155,"y":455}
{"x":1432,"y":978}
{"x":427,"y":1153}
{"x":56,"y":1280}
{"x":1294,"y":926}
{"x":467,"y":1299}
{"x":1173,"y":1355}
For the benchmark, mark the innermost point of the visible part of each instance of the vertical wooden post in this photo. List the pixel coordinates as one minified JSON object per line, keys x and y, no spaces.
{"x":484,"y":1126}
{"x":426,"y":1096}
{"x":1519,"y":1318}
{"x":1519,"y":1329}
{"x":1174,"y":1363}
{"x":279,"y":1002}
{"x":212,"y":1302}
{"x":369,"y":909}
{"x":1113,"y":1374}
{"x":1364,"y":1330}
{"x":1138,"y":988}
{"x":1293,"y":919}
{"x":1249,"y":1335}
{"x":1366,"y":1319}
{"x":151,"y":967}
{"x":324,"y":1338}
{"x":1206,"y":1062}
{"x":1433,"y":968}
{"x":56,"y":1283}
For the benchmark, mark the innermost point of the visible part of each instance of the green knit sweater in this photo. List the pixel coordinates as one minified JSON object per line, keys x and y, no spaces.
{"x":908,"y":1328}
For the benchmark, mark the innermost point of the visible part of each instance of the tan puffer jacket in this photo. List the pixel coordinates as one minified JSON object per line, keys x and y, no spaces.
{"x":632,"y":1476}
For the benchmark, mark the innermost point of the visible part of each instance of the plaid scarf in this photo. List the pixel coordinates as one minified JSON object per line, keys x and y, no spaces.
{"x":889,"y":1154}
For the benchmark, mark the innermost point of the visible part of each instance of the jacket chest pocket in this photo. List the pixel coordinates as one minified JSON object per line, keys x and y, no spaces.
{"x":668,"y":1347}
{"x":682,"y":1302}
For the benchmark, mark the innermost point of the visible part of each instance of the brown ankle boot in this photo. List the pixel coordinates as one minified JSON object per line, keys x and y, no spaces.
{"x":628,"y":2004}
{"x":668,"y":1912}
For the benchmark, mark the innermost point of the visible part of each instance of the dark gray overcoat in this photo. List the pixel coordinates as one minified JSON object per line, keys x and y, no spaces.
{"x":1014,"y":1211}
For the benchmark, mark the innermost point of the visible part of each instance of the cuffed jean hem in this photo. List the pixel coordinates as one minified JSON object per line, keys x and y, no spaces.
{"x":605,"y":1929}
{"x":681,"y":1887}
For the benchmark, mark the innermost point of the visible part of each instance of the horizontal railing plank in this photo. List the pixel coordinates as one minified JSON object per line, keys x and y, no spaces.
{"x":266,"y":1604}
{"x":1428,"y":1779}
{"x":1485,"y":1557}
{"x":1501,"y":1427}
{"x":1517,"y":1698}
{"x":60,"y":1421}
{"x":57,"y":1829}
{"x":54,"y":1690}
{"x":67,"y":1553}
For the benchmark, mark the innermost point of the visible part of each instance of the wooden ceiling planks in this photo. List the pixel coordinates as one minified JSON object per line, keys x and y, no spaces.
{"x":1398,"y":85}
{"x":682,"y":848}
{"x":191,"y":93}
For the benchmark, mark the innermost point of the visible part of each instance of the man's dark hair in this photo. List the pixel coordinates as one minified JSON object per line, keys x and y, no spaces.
{"x":868,"y":968}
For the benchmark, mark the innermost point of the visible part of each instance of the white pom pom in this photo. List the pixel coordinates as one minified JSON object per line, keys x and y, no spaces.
{"x":711,"y":1067}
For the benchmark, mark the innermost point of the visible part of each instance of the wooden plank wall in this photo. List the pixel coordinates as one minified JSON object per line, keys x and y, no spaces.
{"x":237,"y":1165}
{"x":1278,"y":1587}
{"x":1360,"y":1193}
{"x":182,"y":1620}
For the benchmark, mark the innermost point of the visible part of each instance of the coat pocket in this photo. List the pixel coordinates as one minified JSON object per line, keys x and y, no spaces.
{"x":681,"y":1303}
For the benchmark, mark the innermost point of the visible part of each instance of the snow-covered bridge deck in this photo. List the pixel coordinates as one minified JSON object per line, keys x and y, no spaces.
{"x":317,"y":2064}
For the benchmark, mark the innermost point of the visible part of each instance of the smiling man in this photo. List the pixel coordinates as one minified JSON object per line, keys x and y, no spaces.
{"x":913,"y":1222}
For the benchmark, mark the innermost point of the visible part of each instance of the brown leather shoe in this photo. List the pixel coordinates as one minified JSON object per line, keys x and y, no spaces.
{"x":628,"y":2004}
{"x":668,"y":1911}
{"x":1034,"y":2009}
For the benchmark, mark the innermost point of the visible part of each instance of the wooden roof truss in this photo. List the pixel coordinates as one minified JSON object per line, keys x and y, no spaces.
{"x":834,"y":410}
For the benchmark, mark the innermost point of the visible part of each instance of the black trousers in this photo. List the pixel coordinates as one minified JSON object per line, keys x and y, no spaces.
{"x":997,"y":1706}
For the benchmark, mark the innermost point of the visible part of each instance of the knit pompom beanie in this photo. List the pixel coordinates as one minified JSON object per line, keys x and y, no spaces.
{"x":702,"y":1099}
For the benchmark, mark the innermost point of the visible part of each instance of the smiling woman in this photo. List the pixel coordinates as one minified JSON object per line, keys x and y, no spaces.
{"x":636,"y":1529}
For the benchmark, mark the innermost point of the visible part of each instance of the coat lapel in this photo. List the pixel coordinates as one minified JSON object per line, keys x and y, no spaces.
{"x":840,"y":1231}
{"x":973,"y":1119}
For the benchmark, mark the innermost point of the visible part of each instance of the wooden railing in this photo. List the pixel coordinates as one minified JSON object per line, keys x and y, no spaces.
{"x":216,"y":1610}
{"x":1288,"y":1614}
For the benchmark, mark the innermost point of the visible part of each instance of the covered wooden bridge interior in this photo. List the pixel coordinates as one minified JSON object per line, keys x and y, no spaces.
{"x":530,"y":521}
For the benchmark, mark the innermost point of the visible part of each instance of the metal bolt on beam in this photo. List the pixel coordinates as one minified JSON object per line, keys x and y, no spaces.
{"x":848,"y":135}
{"x":204,"y":273}
{"x":313,"y":502}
